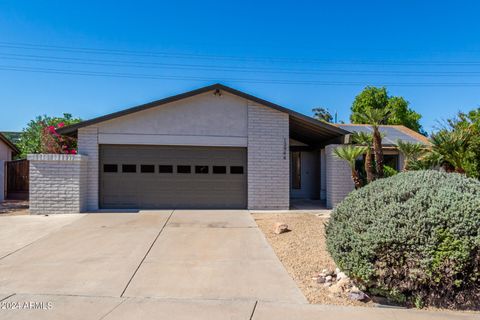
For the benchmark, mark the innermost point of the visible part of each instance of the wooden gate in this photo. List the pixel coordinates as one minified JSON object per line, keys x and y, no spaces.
{"x":17,"y":179}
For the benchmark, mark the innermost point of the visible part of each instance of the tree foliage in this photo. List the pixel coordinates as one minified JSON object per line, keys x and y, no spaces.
{"x":33,"y":138}
{"x":366,"y":139}
{"x":468,"y":126}
{"x":322,"y":114}
{"x":375,"y":118}
{"x":411,"y":152}
{"x":398,"y":109}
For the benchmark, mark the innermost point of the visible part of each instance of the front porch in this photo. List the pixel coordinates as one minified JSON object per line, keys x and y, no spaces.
{"x":317,"y":179}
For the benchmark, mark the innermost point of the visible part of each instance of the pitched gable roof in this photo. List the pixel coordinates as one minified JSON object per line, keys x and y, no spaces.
{"x":297,"y":119}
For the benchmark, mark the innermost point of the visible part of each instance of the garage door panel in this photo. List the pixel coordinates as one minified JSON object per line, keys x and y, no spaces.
{"x":172,"y":190}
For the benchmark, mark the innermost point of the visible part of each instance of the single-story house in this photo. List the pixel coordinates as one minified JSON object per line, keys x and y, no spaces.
{"x":214,"y":147}
{"x":7,"y":151}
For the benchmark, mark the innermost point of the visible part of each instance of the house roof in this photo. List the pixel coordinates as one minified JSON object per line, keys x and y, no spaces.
{"x":302,"y":127}
{"x":391,"y":133}
{"x":9,"y":144}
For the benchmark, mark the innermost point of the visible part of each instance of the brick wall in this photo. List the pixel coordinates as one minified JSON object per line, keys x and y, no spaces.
{"x":339,"y":179}
{"x":268,"y":158}
{"x":58,"y":183}
{"x":88,"y":145}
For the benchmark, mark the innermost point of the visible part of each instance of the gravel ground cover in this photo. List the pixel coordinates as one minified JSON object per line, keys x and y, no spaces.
{"x":14,"y":208}
{"x":303,"y":252}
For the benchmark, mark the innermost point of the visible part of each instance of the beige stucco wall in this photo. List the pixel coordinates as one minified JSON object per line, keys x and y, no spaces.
{"x":202,"y":120}
{"x":5,"y":152}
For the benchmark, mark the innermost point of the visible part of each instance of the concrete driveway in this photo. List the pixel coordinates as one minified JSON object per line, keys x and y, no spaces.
{"x":180,"y":264}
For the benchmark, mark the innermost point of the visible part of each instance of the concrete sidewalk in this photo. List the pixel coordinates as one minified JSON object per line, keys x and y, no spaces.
{"x":108,"y":308}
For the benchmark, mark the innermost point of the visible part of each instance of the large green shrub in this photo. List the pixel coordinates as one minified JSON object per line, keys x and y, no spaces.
{"x":413,"y":237}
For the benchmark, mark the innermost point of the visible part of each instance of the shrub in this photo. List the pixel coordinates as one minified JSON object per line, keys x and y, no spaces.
{"x":389,"y":171}
{"x":413,"y":237}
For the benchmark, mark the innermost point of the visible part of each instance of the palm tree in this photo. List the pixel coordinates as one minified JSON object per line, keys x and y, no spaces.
{"x":350,"y":154}
{"x":411,"y":152}
{"x":450,"y":148}
{"x":366,"y":139}
{"x":375,"y":118}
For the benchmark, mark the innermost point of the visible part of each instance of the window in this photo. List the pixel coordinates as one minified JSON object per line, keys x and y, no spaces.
{"x":236,"y":170}
{"x":296,"y":170}
{"x":165,"y":169}
{"x":391,"y":160}
{"x":201,"y":169}
{"x":130,"y":168}
{"x":219,"y":169}
{"x":147,"y":168}
{"x":110,"y":168}
{"x":184,"y":169}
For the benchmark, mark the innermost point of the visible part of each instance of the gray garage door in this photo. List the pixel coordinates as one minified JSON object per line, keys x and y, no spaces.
{"x":172,"y":177}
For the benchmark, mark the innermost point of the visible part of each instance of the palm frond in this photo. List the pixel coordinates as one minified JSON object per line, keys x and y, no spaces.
{"x":349,"y":153}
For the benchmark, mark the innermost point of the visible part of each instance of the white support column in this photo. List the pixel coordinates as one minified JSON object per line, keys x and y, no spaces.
{"x":88,"y":146}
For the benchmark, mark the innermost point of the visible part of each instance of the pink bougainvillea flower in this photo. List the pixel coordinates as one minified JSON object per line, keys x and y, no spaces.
{"x":51,"y":129}
{"x":73,"y":151}
{"x":60,"y":125}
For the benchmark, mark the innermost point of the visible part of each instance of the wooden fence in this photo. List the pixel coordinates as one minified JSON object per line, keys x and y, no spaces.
{"x":17,"y":179}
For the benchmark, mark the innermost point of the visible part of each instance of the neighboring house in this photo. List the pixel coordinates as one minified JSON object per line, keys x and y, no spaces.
{"x":7,"y":151}
{"x":214,"y":147}
{"x":390,"y":135}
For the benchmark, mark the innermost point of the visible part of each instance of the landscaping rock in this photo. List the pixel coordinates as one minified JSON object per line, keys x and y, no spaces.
{"x":357,"y":296}
{"x":321,"y":280}
{"x":340,"y":287}
{"x":328,"y":279}
{"x":280,"y":227}
{"x":341,"y":275}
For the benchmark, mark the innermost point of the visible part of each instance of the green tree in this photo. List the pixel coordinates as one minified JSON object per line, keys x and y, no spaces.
{"x":31,"y":136}
{"x":366,"y":139}
{"x":397,"y":107}
{"x":322,"y":114}
{"x":350,"y":154}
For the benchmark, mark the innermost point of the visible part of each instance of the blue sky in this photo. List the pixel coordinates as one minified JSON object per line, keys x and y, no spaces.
{"x":92,"y":58}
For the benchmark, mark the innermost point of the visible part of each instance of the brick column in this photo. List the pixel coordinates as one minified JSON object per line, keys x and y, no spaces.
{"x":88,"y":145}
{"x":339,"y":177}
{"x":268,"y":158}
{"x":57,"y":183}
